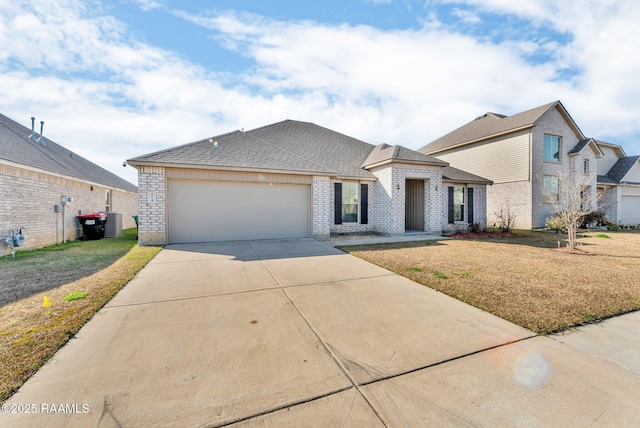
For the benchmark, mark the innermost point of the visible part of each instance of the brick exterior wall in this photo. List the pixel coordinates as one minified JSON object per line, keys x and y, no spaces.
{"x":389,"y":208}
{"x":609,"y":203}
{"x":152,"y":205}
{"x":29,"y":197}
{"x":517,"y":196}
{"x":386,"y":204}
{"x":322,"y":194}
{"x":553,"y":123}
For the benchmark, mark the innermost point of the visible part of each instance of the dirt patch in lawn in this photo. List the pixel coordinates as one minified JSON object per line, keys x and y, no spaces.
{"x":522,"y":279}
{"x":33,"y":328}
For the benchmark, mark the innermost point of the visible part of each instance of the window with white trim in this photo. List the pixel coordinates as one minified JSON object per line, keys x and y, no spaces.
{"x":349,"y":202}
{"x":585,"y":166}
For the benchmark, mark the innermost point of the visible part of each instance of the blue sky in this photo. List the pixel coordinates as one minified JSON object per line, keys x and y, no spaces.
{"x":136,"y":76}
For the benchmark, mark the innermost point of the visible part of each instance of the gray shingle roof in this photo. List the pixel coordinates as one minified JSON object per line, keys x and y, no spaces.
{"x":290,"y":146}
{"x":386,"y":153}
{"x":454,"y":174}
{"x":620,"y":169}
{"x":581,"y":145}
{"x":234,"y":150}
{"x":487,"y":125}
{"x":15,"y":146}
{"x":338,"y":152}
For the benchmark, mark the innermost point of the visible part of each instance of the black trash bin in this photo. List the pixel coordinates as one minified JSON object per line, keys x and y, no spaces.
{"x":93,"y":225}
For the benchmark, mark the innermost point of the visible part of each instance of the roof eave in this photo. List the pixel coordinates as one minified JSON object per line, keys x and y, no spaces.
{"x":412,"y":162}
{"x":57,"y":174}
{"x":136,"y":163}
{"x":478,"y":140}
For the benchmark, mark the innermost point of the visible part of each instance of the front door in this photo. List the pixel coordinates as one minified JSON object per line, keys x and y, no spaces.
{"x":414,"y":205}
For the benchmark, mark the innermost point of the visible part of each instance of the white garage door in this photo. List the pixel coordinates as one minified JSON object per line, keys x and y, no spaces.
{"x":630,"y":210}
{"x":202,"y":211}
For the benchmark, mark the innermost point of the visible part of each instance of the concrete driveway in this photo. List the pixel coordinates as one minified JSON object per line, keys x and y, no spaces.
{"x":297,"y":333}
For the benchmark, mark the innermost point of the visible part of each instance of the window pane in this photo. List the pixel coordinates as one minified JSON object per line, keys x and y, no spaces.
{"x":349,"y":213}
{"x":550,"y":188}
{"x":551,"y":148}
{"x":458,"y":203}
{"x":349,"y":202}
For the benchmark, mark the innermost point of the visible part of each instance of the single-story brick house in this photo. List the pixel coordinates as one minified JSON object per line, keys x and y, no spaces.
{"x":297,"y":179}
{"x":35,"y":173}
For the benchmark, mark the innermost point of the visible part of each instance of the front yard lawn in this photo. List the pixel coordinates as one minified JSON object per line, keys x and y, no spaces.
{"x":522,"y":279}
{"x":77,"y":278}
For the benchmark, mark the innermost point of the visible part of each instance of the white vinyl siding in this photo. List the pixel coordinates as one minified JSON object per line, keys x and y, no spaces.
{"x":502,"y":160}
{"x":633,"y":176}
{"x":607,"y":162}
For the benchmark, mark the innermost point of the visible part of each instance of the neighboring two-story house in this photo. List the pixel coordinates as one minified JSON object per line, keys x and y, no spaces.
{"x":619,"y":181}
{"x":525,"y":155}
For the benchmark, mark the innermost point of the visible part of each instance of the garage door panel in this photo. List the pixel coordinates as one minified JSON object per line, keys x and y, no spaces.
{"x":201,"y":211}
{"x":630,"y":209}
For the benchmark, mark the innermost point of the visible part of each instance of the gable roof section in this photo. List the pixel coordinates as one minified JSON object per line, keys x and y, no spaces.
{"x":17,"y":147}
{"x":384,"y":154}
{"x":584,"y":143}
{"x":619,"y":151}
{"x":491,"y":125}
{"x":235,"y":150}
{"x":619,"y":170}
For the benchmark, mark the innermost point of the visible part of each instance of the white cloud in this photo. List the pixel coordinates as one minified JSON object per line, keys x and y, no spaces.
{"x":81,"y":71}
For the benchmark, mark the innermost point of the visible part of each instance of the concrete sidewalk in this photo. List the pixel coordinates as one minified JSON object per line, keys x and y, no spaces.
{"x":297,"y":333}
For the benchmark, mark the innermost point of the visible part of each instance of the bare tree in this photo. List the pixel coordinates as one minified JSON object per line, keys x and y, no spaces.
{"x":506,"y":217}
{"x":573,"y":198}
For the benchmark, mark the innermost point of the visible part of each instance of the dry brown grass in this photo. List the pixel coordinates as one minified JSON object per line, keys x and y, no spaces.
{"x":522,"y":279}
{"x":30,"y":334}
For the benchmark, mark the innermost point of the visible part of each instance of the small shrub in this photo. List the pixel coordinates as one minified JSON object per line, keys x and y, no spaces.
{"x":506,"y":218}
{"x":476,"y":228}
{"x":593,"y":219}
{"x":555,"y":223}
{"x":76,"y":295}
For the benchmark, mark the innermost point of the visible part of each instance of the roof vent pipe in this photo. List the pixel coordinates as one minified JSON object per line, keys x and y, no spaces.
{"x":41,"y":139}
{"x":33,"y":132}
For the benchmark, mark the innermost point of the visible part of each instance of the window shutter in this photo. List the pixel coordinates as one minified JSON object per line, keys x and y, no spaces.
{"x":364,"y":204}
{"x":450,"y":204}
{"x":470,"y":203}
{"x":337,"y":203}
